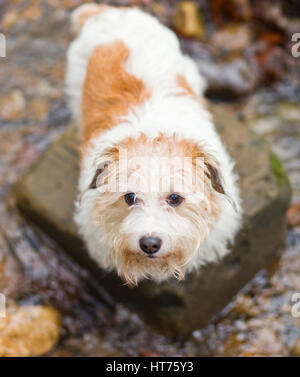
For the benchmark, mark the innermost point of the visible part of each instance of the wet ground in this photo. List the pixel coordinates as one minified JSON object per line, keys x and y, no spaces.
{"x":253,"y":74}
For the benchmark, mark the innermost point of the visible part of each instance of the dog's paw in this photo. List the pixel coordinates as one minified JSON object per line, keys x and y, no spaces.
{"x":80,"y":15}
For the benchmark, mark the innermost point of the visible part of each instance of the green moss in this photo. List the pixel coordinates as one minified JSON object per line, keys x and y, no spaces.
{"x":278,"y":170}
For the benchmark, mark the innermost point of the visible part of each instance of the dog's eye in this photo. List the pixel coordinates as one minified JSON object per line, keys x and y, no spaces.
{"x":130,"y":198}
{"x":174,"y":200}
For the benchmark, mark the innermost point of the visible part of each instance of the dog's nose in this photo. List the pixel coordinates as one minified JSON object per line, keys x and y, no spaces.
{"x":150,"y":245}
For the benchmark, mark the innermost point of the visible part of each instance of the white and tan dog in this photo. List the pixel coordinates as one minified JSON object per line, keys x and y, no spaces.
{"x":138,"y":103}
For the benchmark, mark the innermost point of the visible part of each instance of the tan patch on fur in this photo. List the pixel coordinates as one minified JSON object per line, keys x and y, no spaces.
{"x":182,"y":82}
{"x":163,"y":144}
{"x":109,"y":91}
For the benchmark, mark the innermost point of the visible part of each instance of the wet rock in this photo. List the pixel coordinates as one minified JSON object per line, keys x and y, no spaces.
{"x":266,"y":124}
{"x":271,"y":62}
{"x":12,"y":105}
{"x":233,"y":345}
{"x":39,"y":108}
{"x":28,"y":331}
{"x":11,"y":276}
{"x":231,"y":37}
{"x":47,"y":197}
{"x":32,"y":12}
{"x":264,"y":342}
{"x":91,"y":344}
{"x":228,"y":73}
{"x":239,"y":10}
{"x":245,"y":306}
{"x":296,"y":347}
{"x":229,"y":79}
{"x":9,"y":19}
{"x":188,"y":20}
{"x":289,"y":112}
{"x":145,"y":352}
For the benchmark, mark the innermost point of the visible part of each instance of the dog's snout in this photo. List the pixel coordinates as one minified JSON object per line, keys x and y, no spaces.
{"x":150,"y":245}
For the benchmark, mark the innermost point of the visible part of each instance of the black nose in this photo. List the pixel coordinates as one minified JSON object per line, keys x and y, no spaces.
{"x":150,"y":245}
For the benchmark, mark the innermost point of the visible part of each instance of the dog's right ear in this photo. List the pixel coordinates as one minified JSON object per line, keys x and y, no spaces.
{"x":111,"y":157}
{"x":94,"y":184}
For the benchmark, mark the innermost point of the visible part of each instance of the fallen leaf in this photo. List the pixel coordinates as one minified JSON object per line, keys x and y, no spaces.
{"x":188,"y":20}
{"x":293,"y":215}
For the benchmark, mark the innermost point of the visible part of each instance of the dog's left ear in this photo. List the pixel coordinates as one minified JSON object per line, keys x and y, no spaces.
{"x":215,"y":177}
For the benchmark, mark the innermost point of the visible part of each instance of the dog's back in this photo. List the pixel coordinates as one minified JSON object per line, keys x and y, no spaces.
{"x":112,"y":41}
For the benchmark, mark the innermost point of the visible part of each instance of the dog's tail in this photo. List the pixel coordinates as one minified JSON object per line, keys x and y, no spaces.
{"x":80,"y":15}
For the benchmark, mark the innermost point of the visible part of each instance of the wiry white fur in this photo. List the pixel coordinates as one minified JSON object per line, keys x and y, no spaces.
{"x":156,"y":59}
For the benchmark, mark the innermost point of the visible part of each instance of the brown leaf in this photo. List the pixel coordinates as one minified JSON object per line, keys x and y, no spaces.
{"x":293,"y":215}
{"x":188,"y":20}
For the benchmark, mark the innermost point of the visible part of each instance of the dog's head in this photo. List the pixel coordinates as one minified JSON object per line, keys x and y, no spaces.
{"x":158,"y":201}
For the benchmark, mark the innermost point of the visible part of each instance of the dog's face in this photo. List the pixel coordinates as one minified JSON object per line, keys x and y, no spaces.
{"x":158,"y":200}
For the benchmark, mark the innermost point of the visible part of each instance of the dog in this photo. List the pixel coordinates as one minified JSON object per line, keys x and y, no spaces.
{"x":139,"y":106}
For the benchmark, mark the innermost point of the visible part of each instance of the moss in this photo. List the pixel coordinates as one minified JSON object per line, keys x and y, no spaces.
{"x":278,"y":170}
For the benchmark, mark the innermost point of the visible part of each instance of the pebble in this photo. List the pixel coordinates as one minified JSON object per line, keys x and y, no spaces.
{"x":28,"y":331}
{"x":232,"y":37}
{"x":188,"y":20}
